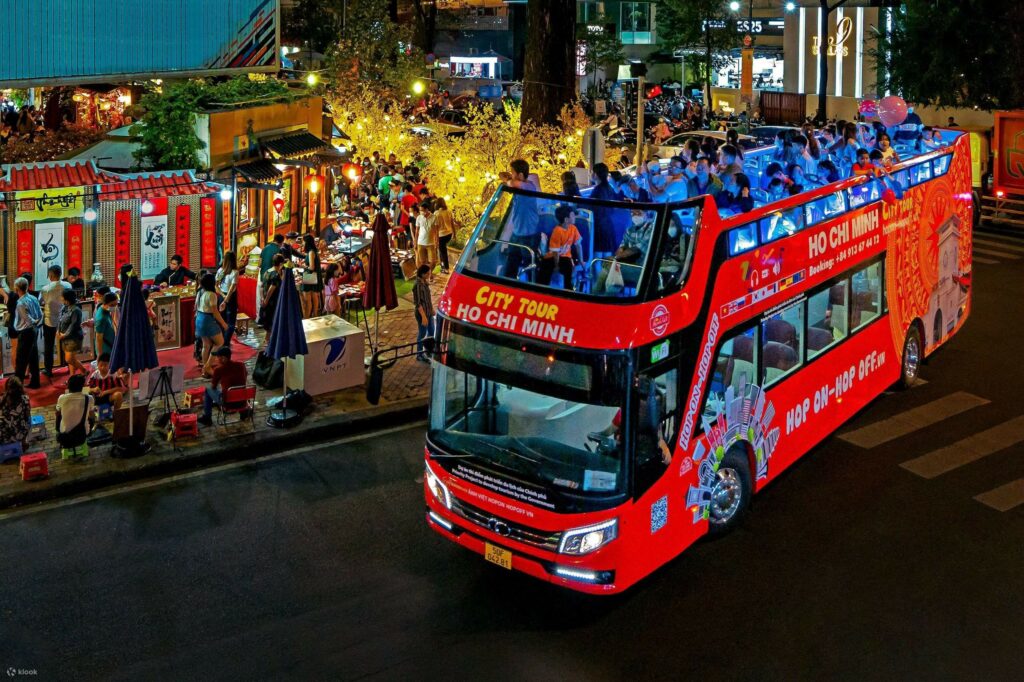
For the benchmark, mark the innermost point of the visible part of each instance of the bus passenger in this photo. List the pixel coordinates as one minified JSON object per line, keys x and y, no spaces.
{"x":863,"y":165}
{"x":705,"y":182}
{"x":735,"y":195}
{"x":563,"y":246}
{"x":889,"y":155}
{"x":827,"y":172}
{"x":631,"y":253}
{"x":522,"y":229}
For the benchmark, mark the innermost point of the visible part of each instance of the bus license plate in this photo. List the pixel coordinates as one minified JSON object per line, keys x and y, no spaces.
{"x":497,"y":555}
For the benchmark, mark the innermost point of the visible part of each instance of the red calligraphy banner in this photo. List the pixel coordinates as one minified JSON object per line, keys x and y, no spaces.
{"x":74,"y":246}
{"x":122,"y":239}
{"x":226,"y":223}
{"x":207,"y":233}
{"x":182,"y":232}
{"x":26,"y":245}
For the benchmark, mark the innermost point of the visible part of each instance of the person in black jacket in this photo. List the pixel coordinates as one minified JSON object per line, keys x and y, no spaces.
{"x":735,"y":195}
{"x":175,"y":274}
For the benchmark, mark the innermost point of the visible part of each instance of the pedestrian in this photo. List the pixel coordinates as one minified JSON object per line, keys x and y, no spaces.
{"x":227,"y":284}
{"x":332,"y":301}
{"x":312,"y":279}
{"x":444,"y":225}
{"x":426,"y":238}
{"x":104,"y":324}
{"x":28,"y":317}
{"x":52,"y":299}
{"x":15,"y":413}
{"x":424,"y":310}
{"x":210,"y":325}
{"x":271,"y":292}
{"x":69,"y":331}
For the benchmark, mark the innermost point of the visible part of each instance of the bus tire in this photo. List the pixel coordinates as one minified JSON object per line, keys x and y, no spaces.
{"x":730,"y":493}
{"x":910,"y":362}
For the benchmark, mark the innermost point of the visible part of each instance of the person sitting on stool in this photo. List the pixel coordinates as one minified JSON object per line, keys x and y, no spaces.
{"x":227,"y":373}
{"x":106,"y":387}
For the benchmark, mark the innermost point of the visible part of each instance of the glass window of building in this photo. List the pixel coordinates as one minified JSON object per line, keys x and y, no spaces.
{"x":636,"y":23}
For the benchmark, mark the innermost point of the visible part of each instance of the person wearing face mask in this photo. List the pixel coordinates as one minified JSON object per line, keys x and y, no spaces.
{"x":705,"y":182}
{"x":632,"y":252}
{"x":776,"y":190}
{"x":634,"y":192}
{"x":676,"y":186}
{"x":729,"y":162}
{"x":797,"y":177}
{"x":605,"y":218}
{"x":673,"y":252}
{"x":656,"y":182}
{"x":735,"y":195}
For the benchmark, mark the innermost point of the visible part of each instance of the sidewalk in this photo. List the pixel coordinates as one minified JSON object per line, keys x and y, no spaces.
{"x":403,"y":399}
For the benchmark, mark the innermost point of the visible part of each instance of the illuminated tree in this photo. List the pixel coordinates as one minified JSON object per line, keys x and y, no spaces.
{"x":373,"y":123}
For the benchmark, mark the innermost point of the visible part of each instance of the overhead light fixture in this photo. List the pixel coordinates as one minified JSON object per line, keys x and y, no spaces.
{"x":90,"y":214}
{"x":225,"y":194}
{"x":147,"y":207}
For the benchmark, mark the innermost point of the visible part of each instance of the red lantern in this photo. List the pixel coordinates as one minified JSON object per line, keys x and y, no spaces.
{"x":279,"y":204}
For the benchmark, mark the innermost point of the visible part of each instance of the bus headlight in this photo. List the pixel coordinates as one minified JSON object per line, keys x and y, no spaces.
{"x":439,"y":489}
{"x":588,"y":538}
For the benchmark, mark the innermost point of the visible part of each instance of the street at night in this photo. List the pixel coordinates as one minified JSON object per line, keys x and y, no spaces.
{"x":318,"y":563}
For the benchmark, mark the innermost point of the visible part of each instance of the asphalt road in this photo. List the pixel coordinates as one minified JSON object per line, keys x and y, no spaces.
{"x":318,"y":565}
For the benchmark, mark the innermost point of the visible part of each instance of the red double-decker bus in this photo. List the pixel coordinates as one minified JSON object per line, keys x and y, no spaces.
{"x":589,"y":423}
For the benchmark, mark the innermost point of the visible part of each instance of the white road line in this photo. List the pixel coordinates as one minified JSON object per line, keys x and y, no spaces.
{"x":120,"y":490}
{"x":997,"y":254}
{"x":984,"y":261}
{"x":1005,"y":497}
{"x":912,"y":420}
{"x":968,"y":450}
{"x":1012,"y":246}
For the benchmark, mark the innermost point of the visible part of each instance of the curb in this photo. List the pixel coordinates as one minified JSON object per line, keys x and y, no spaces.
{"x":235,"y":449}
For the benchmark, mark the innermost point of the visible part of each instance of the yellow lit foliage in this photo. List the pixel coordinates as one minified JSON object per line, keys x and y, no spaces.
{"x":373,"y":124}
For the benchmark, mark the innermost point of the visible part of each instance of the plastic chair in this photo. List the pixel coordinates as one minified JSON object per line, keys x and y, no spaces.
{"x":238,"y":400}
{"x":38,"y":430}
{"x":79,"y":452}
{"x":10,"y":451}
{"x":105,"y":412}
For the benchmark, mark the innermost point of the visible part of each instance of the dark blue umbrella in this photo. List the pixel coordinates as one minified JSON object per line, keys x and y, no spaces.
{"x":134,"y":348}
{"x":287,"y":340}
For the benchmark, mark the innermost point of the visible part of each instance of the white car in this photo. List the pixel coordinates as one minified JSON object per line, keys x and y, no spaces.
{"x":674,"y":145}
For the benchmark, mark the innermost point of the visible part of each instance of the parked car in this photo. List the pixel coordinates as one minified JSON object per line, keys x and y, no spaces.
{"x":674,"y":145}
{"x":450,"y":122}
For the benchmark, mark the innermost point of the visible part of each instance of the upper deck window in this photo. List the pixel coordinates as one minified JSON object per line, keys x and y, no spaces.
{"x":781,"y":224}
{"x":824,"y":208}
{"x":586,"y":246}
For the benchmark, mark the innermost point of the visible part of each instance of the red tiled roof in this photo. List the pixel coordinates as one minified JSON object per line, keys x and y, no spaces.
{"x":51,"y":175}
{"x":154,"y":185}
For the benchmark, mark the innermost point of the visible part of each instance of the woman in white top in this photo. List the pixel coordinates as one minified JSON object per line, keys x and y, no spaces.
{"x":227,"y":285}
{"x":426,"y":237}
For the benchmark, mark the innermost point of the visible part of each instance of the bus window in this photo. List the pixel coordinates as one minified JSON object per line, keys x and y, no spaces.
{"x":825,"y":207}
{"x":902,"y":178}
{"x":782,"y":343}
{"x":781,"y":224}
{"x":734,"y":368}
{"x":941,"y":165}
{"x":826,"y":318}
{"x":863,"y":194}
{"x":867,"y":295}
{"x":655,"y":425}
{"x":674,"y":250}
{"x":920,"y":173}
{"x":742,"y":239}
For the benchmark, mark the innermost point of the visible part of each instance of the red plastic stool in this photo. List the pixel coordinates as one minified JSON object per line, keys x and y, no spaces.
{"x":33,"y":466}
{"x":185,"y":424}
{"x":193,"y":398}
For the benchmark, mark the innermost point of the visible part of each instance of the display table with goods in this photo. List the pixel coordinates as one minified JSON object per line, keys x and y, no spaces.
{"x":334,"y":360}
{"x":175,"y":309}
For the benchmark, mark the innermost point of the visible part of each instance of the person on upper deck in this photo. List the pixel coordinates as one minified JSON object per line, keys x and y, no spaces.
{"x":522,"y":229}
{"x":604,"y":217}
{"x":735,"y":195}
{"x":705,"y":182}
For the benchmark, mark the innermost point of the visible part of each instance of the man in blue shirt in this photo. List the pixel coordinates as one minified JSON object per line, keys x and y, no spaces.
{"x":522,"y":229}
{"x":28,"y":315}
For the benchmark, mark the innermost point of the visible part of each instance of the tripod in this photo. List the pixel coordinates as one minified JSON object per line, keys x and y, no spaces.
{"x":162,"y":389}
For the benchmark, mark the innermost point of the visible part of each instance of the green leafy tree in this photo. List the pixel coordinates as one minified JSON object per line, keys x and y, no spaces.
{"x":954,"y":53}
{"x":706,"y":26}
{"x":166,"y":126}
{"x":375,"y":50}
{"x":600,"y":44}
{"x":313,"y":23}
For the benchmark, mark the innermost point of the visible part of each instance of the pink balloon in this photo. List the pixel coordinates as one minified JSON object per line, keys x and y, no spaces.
{"x":892,"y":111}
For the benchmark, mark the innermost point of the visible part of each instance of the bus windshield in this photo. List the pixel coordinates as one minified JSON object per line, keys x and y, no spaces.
{"x":546,"y":426}
{"x":586,"y":246}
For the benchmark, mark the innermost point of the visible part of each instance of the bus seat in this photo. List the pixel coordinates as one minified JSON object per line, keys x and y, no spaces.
{"x":743,"y":348}
{"x":818,"y":338}
{"x":547,"y":223}
{"x":778,"y":357}
{"x":778,"y":330}
{"x":839,"y":319}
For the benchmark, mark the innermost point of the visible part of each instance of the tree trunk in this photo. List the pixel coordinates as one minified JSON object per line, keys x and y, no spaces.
{"x":550,"y":69}
{"x":427,"y":24}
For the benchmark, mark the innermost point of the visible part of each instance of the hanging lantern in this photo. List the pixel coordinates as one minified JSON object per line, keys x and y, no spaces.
{"x":278,"y":204}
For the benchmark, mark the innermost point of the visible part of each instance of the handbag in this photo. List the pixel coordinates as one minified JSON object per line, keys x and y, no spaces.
{"x":614,"y":279}
{"x":268,"y":373}
{"x":309,"y":277}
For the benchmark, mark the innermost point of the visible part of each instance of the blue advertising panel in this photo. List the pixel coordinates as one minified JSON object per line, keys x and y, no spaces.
{"x":83,"y":41}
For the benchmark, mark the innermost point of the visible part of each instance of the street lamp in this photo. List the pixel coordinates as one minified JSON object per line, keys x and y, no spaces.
{"x":312,"y":79}
{"x":418,"y":87}
{"x":734,"y":6}
{"x":790,"y":6}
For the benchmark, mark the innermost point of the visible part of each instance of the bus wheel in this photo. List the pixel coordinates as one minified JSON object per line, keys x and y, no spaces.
{"x":730,"y":494}
{"x":911,"y":364}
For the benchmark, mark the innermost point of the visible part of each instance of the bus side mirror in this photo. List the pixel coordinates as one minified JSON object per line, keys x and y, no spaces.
{"x":375,"y":384}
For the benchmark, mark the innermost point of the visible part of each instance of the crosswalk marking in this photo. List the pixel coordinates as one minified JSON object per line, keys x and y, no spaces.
{"x":984,"y":261}
{"x":1005,"y":497}
{"x":921,"y":417}
{"x":998,"y":244}
{"x":998,"y":254}
{"x":968,"y":450}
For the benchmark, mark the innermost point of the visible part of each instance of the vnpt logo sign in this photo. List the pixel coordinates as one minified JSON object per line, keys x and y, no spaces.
{"x":333,"y":355}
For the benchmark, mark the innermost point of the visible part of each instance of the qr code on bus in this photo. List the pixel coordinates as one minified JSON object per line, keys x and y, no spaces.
{"x":659,"y":514}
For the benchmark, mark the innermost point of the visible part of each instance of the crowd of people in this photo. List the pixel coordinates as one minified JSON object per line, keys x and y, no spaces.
{"x":17,"y":123}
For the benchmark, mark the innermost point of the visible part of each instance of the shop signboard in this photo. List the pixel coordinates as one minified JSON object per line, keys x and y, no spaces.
{"x":207,"y":233}
{"x":48,"y":249}
{"x":34,"y":205}
{"x":120,"y":40}
{"x":152,"y":245}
